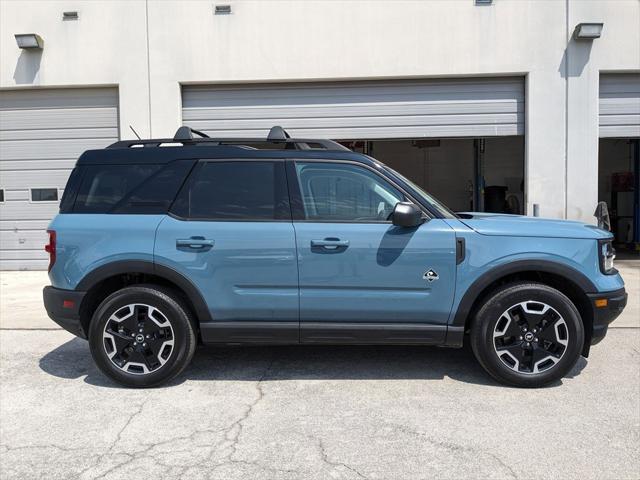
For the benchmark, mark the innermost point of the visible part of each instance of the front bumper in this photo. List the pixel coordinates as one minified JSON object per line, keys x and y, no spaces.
{"x":607,"y":306}
{"x":63,"y":307}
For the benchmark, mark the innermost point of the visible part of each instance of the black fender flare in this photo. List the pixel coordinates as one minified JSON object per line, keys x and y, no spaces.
{"x":519,"y":266}
{"x":146,"y":267}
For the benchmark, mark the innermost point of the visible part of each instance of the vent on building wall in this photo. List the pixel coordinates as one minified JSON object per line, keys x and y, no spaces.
{"x":69,"y":15}
{"x":484,"y":2}
{"x":222,"y":9}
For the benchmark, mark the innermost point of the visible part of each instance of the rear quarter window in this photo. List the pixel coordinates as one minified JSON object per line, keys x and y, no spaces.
{"x":132,"y":189}
{"x":71,"y":190}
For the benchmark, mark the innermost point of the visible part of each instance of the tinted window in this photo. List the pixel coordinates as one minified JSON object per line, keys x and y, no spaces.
{"x":44,"y":194}
{"x":103,"y":186}
{"x":130,"y":188}
{"x":1,"y":195}
{"x":235,"y":191}
{"x":70,"y":190}
{"x":155,"y":194}
{"x":344,"y":192}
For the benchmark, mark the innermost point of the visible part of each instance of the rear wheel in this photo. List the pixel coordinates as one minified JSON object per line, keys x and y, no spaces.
{"x":527,"y":335}
{"x":142,"y":336}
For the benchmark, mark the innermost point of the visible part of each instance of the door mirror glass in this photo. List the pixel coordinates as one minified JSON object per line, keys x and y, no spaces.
{"x":406,"y":214}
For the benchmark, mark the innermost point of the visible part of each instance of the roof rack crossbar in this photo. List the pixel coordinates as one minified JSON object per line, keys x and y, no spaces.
{"x":277,"y":135}
{"x":186,"y":133}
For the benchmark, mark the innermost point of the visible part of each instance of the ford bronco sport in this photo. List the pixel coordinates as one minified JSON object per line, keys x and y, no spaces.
{"x":291,"y":241}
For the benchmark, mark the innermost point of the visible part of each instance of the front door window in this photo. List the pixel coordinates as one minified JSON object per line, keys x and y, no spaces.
{"x":333,"y":192}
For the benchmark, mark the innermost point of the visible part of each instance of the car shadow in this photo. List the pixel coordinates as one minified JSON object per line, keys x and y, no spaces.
{"x":393,"y":243}
{"x":72,"y":360}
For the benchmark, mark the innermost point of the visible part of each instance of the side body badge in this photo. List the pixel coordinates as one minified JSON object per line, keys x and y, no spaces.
{"x":430,"y":275}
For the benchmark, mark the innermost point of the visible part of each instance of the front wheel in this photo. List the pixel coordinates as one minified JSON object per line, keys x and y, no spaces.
{"x":142,"y":336}
{"x":527,"y":335}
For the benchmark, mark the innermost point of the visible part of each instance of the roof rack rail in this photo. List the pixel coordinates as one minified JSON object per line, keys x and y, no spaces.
{"x":185,"y":136}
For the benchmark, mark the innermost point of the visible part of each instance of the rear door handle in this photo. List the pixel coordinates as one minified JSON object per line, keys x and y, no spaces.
{"x":195,"y":243}
{"x":330,"y":243}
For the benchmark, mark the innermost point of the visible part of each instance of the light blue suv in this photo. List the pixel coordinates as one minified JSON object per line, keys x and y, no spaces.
{"x":285,"y":241}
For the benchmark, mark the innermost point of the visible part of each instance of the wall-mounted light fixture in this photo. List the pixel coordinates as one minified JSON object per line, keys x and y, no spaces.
{"x":222,"y":9}
{"x":588,"y":31}
{"x":29,"y":40}
{"x":484,"y":2}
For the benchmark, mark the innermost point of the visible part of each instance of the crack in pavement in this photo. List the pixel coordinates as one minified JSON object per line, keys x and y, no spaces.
{"x":113,"y":444}
{"x":501,"y":462}
{"x":232,"y":437}
{"x":454,"y":447}
{"x":146,"y":453}
{"x":235,"y":430}
{"x":250,"y":463}
{"x":324,"y":456}
{"x":40,"y":447}
{"x":238,"y":425}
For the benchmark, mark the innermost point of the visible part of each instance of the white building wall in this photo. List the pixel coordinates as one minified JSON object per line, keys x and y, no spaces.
{"x":294,"y":40}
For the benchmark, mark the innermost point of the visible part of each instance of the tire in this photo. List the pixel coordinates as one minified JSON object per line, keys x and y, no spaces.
{"x":527,"y":335}
{"x":142,"y":336}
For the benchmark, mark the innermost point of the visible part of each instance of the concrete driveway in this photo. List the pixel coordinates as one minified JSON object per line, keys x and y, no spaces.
{"x":310,"y":412}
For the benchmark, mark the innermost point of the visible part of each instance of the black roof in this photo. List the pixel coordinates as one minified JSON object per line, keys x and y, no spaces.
{"x":185,"y":146}
{"x":159,"y":155}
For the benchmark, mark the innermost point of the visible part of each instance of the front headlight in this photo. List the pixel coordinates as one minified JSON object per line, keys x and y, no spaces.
{"x":607,"y":255}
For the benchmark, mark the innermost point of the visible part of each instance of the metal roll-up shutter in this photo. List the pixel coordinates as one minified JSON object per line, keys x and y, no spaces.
{"x":619,"y":114}
{"x":478,"y":107}
{"x":42,"y":134}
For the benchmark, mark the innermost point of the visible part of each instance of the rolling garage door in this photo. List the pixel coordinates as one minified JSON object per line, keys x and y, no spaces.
{"x":619,"y":105}
{"x":361,"y":110}
{"x":42,"y":133}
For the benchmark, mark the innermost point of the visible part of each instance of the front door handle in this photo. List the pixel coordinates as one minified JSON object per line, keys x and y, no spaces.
{"x":195,"y":243}
{"x":330,"y":244}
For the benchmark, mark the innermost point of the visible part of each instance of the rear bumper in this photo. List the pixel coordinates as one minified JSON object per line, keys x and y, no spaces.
{"x":63,"y":307}
{"x":607,"y":313}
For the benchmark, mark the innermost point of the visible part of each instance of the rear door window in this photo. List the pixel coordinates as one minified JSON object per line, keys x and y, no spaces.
{"x":235,"y":190}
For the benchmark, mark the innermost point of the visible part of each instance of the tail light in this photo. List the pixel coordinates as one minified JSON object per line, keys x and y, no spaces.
{"x":50,"y":248}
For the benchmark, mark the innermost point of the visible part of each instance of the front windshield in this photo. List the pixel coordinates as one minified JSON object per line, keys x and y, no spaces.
{"x":441,"y":208}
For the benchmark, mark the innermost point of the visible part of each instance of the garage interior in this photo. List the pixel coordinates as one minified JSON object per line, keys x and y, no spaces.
{"x":618,"y":172}
{"x":466,"y":174}
{"x":619,"y":156}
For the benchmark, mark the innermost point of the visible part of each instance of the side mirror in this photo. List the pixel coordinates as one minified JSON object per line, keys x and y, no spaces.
{"x":406,"y":214}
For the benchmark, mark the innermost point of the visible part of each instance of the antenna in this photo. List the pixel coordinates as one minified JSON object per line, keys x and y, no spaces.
{"x":135,"y":133}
